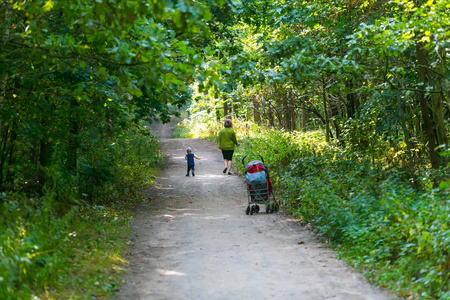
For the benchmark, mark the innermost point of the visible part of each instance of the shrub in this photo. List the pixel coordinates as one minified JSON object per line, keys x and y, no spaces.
{"x":396,"y":234}
{"x":64,"y":244}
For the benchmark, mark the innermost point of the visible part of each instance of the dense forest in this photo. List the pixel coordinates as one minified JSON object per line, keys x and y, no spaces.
{"x":348,"y":98}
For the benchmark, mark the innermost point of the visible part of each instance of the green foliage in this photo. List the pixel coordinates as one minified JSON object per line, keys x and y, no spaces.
{"x":60,"y":256}
{"x":76,"y":79}
{"x":50,"y":248}
{"x":84,"y":73}
{"x":119,"y":166}
{"x":349,"y":66}
{"x":30,"y":245}
{"x":279,"y":148}
{"x":372,"y":222}
{"x":407,"y":238}
{"x":180,"y":131}
{"x":195,"y":128}
{"x":397,"y":235}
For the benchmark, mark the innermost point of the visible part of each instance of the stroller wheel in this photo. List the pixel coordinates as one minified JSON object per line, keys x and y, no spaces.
{"x":247,"y":211}
{"x":268,"y":206}
{"x":252,"y":210}
{"x":276,"y":207}
{"x":257,"y":208}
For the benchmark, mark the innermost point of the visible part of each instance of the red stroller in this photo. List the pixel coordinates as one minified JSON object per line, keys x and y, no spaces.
{"x":259,"y":187}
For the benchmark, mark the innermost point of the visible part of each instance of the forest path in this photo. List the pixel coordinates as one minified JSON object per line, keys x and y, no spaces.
{"x":193,"y":240}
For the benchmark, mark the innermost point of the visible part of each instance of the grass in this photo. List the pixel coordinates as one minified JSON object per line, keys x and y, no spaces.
{"x":77,"y":255}
{"x":96,"y":247}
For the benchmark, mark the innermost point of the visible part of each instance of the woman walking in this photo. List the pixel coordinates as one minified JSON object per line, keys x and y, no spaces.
{"x":227,"y":143}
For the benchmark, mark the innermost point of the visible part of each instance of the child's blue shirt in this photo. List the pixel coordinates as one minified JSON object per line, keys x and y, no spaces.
{"x":190,"y":159}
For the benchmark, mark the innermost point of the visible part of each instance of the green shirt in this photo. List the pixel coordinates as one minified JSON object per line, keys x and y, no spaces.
{"x":227,"y":139}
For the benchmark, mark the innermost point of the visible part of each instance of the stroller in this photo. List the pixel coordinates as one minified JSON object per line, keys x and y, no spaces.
{"x":259,"y":187}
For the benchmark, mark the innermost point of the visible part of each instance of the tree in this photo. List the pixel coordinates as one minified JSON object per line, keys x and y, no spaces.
{"x":72,"y":67}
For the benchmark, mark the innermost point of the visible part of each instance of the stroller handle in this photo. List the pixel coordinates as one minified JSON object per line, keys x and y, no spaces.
{"x":262,"y":159}
{"x":243,"y":159}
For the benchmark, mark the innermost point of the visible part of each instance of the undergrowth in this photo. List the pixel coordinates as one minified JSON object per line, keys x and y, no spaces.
{"x":397,"y":233}
{"x":73,"y":249}
{"x":45,"y":255}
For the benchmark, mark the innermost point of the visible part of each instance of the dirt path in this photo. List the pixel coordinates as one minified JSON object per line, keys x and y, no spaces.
{"x":193,"y":241}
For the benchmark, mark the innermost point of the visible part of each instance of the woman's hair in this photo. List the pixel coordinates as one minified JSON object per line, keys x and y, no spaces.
{"x":228,"y":123}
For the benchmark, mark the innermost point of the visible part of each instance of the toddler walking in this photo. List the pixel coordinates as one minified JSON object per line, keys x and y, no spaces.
{"x":190,"y":156}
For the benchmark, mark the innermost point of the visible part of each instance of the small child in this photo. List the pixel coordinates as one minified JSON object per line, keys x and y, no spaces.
{"x":190,"y":160}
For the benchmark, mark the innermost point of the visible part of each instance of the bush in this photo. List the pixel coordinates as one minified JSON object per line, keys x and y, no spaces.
{"x":61,"y":256}
{"x":64,"y":244}
{"x":396,"y":234}
{"x":119,"y":167}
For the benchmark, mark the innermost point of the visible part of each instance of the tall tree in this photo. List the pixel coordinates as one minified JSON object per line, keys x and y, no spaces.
{"x":69,"y":68}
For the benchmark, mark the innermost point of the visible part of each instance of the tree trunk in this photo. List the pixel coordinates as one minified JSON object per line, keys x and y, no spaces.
{"x":286,"y":113}
{"x":438,"y":115}
{"x":256,"y":113}
{"x":11,"y":156}
{"x":73,"y":143}
{"x":216,"y":107}
{"x":236,"y":109}
{"x":325,"y":113}
{"x":406,"y":135}
{"x":292,"y":115}
{"x":351,"y":109}
{"x":304,"y":117}
{"x":427,"y":121}
{"x":337,"y":129}
{"x":293,"y":119}
{"x":43,"y":155}
{"x":271,"y":117}
{"x":218,"y":114}
{"x":3,"y":153}
{"x":438,"y":103}
{"x":225,"y":107}
{"x":6,"y":7}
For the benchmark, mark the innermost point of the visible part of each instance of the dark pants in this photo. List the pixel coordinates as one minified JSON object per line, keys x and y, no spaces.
{"x":191,"y":167}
